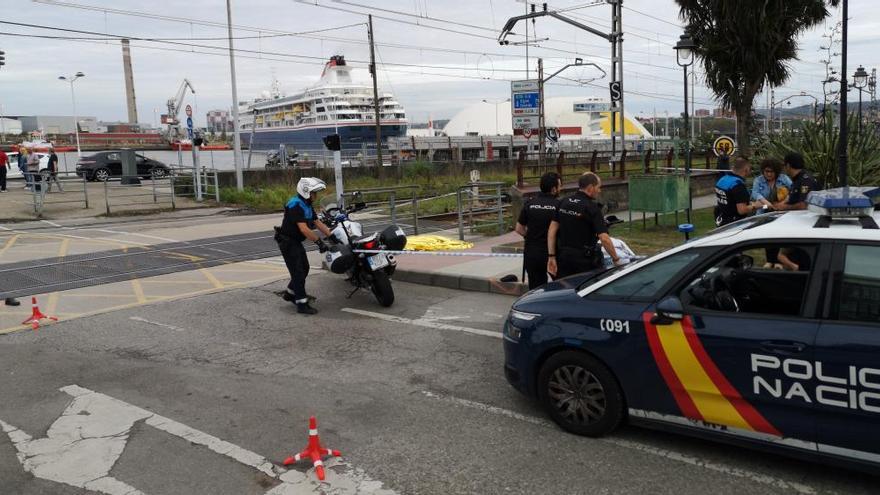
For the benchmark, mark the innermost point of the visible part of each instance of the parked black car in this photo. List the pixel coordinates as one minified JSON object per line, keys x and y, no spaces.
{"x":101,"y":166}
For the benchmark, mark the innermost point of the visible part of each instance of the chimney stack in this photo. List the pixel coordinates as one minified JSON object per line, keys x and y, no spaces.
{"x":129,"y":83}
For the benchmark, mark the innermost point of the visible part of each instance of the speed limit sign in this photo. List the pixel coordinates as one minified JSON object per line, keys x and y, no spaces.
{"x":724,"y":145}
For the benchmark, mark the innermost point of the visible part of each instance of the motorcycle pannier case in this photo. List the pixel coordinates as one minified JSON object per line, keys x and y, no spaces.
{"x":393,"y":238}
{"x":339,"y":258}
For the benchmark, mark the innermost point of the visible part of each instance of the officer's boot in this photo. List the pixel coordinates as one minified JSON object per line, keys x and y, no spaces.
{"x":305,"y":308}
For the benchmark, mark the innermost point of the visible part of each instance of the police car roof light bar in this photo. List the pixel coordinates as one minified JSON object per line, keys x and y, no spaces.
{"x":845,"y":203}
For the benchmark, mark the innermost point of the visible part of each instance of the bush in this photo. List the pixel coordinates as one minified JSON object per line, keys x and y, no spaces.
{"x":817,"y":142}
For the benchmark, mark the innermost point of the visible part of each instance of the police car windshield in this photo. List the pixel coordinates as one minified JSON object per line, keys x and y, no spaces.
{"x":747,"y":223}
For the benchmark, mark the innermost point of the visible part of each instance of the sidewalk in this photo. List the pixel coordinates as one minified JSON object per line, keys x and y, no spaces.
{"x":475,"y":273}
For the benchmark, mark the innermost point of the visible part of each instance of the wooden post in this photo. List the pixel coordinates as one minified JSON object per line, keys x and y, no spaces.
{"x":670,"y":155}
{"x":560,"y":162}
{"x":647,"y":162}
{"x":593,"y":161}
{"x":623,"y":163}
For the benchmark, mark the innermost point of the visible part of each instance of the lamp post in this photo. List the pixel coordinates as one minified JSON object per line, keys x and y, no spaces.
{"x":684,"y":56}
{"x":496,"y":103}
{"x":71,"y":80}
{"x":860,"y":81}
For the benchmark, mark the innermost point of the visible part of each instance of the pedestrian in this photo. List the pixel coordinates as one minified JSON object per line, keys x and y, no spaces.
{"x":4,"y":160}
{"x":299,"y":220}
{"x":533,"y":223}
{"x":802,"y":183}
{"x":577,"y":230}
{"x":52,"y":167}
{"x":22,"y":165}
{"x":33,"y":166}
{"x":723,"y":161}
{"x":732,"y":196}
{"x":771,"y":185}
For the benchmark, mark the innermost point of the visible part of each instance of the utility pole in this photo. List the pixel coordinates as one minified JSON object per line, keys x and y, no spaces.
{"x":542,"y":131}
{"x":236,"y":137}
{"x":375,"y":98}
{"x":617,"y":77}
{"x":843,"y":166}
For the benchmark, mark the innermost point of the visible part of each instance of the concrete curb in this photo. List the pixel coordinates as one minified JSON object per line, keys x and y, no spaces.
{"x":461,"y":282}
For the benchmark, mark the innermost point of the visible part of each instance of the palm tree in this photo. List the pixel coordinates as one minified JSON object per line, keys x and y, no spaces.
{"x":745,"y":43}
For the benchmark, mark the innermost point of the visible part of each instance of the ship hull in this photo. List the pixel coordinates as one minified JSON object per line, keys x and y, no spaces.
{"x":351,"y":136}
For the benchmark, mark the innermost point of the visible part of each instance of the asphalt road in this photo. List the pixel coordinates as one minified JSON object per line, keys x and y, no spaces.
{"x":417,"y":403}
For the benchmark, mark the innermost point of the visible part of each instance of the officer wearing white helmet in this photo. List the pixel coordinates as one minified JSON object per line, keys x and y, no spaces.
{"x":299,"y":220}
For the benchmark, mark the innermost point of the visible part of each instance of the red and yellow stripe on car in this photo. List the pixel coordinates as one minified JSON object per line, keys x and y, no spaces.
{"x":698,"y":386}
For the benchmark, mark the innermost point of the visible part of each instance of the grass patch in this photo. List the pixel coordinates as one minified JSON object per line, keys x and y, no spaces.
{"x":656,"y":238}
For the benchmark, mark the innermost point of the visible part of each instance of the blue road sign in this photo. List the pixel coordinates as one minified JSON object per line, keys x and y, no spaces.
{"x":525,"y":103}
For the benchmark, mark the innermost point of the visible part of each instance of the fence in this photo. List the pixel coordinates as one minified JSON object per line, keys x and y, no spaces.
{"x":391,"y":194}
{"x":129,"y":191}
{"x":480,"y":198}
{"x":65,"y":182}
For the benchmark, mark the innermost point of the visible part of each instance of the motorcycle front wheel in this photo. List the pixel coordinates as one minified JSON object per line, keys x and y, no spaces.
{"x":381,"y":287}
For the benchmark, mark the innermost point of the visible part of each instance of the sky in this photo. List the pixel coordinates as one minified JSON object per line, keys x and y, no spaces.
{"x":436,"y":56}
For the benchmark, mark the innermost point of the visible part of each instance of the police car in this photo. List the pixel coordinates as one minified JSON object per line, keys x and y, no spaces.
{"x":766,"y":333}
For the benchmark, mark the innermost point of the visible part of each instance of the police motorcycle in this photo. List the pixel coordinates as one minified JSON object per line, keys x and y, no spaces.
{"x":371,"y":271}
{"x":274,"y":159}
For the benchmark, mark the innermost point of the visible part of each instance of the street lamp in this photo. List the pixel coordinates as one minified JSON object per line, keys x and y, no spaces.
{"x":71,"y":79}
{"x":860,"y":81}
{"x":684,"y":56}
{"x":496,"y":103}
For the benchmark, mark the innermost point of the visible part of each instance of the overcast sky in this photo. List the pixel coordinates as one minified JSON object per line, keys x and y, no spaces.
{"x":466,"y":66}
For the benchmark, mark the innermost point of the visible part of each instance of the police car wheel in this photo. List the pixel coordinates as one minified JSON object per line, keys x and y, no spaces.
{"x":580,"y":394}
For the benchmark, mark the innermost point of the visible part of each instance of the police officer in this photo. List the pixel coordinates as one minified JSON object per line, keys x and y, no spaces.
{"x":732,"y":196}
{"x":299,"y":220}
{"x":533,"y":222}
{"x":577,"y":230}
{"x":802,"y":183}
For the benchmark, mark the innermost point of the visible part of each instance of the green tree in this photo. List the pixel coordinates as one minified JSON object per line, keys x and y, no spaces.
{"x":744,"y":43}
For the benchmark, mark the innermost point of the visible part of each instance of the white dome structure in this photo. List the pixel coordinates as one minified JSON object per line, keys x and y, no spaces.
{"x":576,"y":117}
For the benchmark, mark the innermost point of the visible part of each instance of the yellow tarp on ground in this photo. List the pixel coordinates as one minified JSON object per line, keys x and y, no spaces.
{"x":426,"y":242}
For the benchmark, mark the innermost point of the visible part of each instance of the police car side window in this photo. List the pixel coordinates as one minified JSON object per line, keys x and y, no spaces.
{"x":859,"y":293}
{"x":648,"y":280}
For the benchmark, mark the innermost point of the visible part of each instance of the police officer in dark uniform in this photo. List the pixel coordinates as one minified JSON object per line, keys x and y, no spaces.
{"x":732,"y":196}
{"x":299,"y":220}
{"x":533,"y":223}
{"x":802,"y":183}
{"x":577,"y":230}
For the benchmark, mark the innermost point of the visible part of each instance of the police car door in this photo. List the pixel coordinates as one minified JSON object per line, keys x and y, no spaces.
{"x":738,"y":358}
{"x":847,"y":364}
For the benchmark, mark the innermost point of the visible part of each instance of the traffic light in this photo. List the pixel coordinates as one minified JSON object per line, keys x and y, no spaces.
{"x":2,"y":58}
{"x":332,"y":142}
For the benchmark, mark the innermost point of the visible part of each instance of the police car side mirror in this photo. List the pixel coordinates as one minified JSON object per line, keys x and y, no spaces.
{"x":668,"y":311}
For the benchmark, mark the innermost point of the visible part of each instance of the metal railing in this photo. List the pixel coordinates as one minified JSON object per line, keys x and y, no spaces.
{"x":481,"y":198}
{"x":73,"y":188}
{"x":127,"y":190}
{"x":391,"y":194}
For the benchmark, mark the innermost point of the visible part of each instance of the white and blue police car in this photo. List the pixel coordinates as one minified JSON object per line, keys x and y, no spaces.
{"x":765,"y":332}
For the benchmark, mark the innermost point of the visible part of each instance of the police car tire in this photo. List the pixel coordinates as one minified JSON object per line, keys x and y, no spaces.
{"x":614,"y":401}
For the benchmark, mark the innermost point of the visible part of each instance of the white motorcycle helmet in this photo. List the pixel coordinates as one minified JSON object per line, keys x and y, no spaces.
{"x":307,"y":185}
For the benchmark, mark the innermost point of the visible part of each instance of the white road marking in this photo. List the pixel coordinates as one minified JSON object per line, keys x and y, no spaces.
{"x":640,"y":447}
{"x":51,"y":223}
{"x":83,"y":444}
{"x":424,"y":322}
{"x":155,"y":323}
{"x":4,"y":228}
{"x":147,"y":236}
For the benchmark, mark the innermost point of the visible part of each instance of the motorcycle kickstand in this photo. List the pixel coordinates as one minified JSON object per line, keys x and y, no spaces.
{"x":352,"y":292}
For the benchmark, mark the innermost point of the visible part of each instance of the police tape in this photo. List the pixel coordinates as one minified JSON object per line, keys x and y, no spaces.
{"x":440,"y":253}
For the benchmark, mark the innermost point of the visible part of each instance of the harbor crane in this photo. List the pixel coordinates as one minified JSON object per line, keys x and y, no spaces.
{"x":174,"y":106}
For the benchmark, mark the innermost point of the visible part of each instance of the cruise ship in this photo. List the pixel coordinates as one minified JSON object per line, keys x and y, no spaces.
{"x":335,"y":105}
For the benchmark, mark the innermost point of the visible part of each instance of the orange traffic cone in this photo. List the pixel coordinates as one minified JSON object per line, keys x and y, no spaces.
{"x":37,"y":315}
{"x":313,"y":450}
